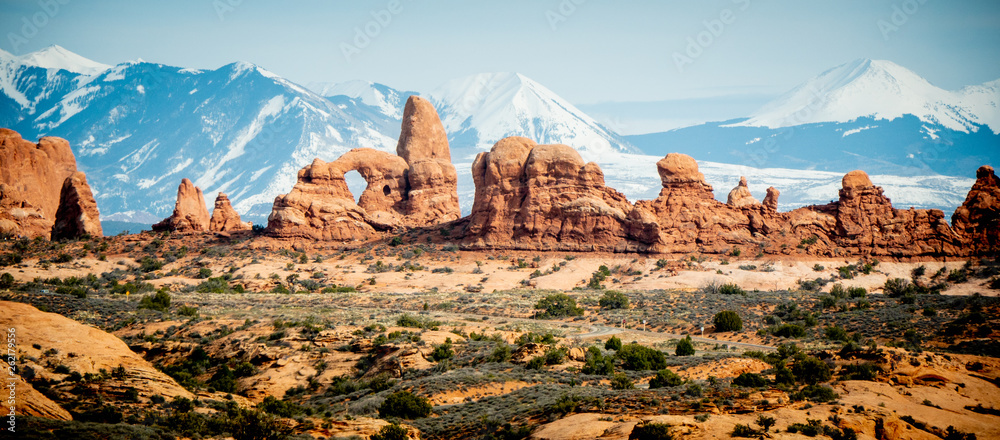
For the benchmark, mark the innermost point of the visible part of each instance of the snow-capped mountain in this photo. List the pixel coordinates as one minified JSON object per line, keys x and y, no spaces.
{"x":881,"y":90}
{"x":138,"y":128}
{"x":871,"y":115}
{"x":58,"y":58}
{"x":387,"y":99}
{"x":479,"y":110}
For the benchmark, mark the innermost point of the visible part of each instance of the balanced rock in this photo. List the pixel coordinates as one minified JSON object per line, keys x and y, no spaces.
{"x":543,"y":197}
{"x":740,"y":196}
{"x":679,"y":174}
{"x":771,"y":199}
{"x":978,"y":219}
{"x":225,"y":218}
{"x":77,"y":214}
{"x":31,"y":181}
{"x":190,"y":212}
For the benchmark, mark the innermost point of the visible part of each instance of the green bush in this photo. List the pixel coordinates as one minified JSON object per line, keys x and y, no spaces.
{"x":836,"y":333}
{"x":651,"y":431}
{"x":613,"y":299}
{"x":731,"y":289}
{"x":789,"y":331}
{"x":857,"y":292}
{"x":621,"y":381}
{"x":204,"y":273}
{"x":750,"y":380}
{"x":815,"y":393}
{"x":896,"y":287}
{"x":150,"y":264}
{"x":257,"y":425}
{"x":811,"y":370}
{"x":597,"y":363}
{"x":280,"y":408}
{"x":685,"y":347}
{"x":159,"y":301}
{"x":640,"y":357}
{"x":557,"y":306}
{"x":727,"y":321}
{"x":391,"y":431}
{"x":745,"y":431}
{"x":501,"y":353}
{"x":613,"y":344}
{"x":405,"y":405}
{"x":442,"y":352}
{"x":665,"y":378}
{"x":6,"y":281}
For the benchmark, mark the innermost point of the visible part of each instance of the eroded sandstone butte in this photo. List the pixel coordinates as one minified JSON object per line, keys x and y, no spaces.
{"x":978,"y":219}
{"x":190,"y":212}
{"x":33,"y":180}
{"x":544,"y":197}
{"x":225,"y":218}
{"x":416,"y":187}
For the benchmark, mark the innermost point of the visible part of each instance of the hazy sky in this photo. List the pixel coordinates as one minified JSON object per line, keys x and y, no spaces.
{"x":588,"y":51}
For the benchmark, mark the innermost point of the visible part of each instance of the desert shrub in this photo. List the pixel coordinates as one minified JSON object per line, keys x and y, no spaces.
{"x":597,"y":363}
{"x":640,"y":357}
{"x":857,"y":292}
{"x":536,"y":363}
{"x":10,"y":259}
{"x":406,"y":405}
{"x":391,"y":431}
{"x":621,"y":381}
{"x":815,"y":393}
{"x":150,"y":264}
{"x":731,"y":289}
{"x":159,"y":301}
{"x":896,"y":287}
{"x":744,"y":431}
{"x":864,"y":371}
{"x":811,"y":370}
{"x":443,"y":351}
{"x":280,"y":408}
{"x":6,"y":281}
{"x":555,"y":356}
{"x":685,"y":347}
{"x":204,"y":273}
{"x":613,"y":299}
{"x":665,"y":378}
{"x":958,"y":276}
{"x":789,"y":331}
{"x":411,"y":321}
{"x":727,"y":321}
{"x":224,"y":380}
{"x":613,"y":344}
{"x":836,"y":333}
{"x":750,"y":380}
{"x":188,"y":311}
{"x":214,"y":285}
{"x":557,"y":306}
{"x":651,"y":431}
{"x":501,"y":353}
{"x":257,"y":425}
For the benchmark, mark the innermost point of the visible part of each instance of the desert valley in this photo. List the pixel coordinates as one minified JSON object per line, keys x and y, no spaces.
{"x":556,"y":309}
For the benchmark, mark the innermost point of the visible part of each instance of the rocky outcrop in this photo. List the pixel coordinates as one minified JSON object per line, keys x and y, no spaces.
{"x":740,"y":196}
{"x":46,"y":340}
{"x":225,"y":218}
{"x":77,"y":214}
{"x":31,"y":181}
{"x":417,"y":187}
{"x":190,"y":212}
{"x":978,"y":219}
{"x":532,"y":196}
{"x":771,"y":199}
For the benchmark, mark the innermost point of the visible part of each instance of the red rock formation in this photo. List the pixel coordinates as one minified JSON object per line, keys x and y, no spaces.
{"x":416,"y":188}
{"x":190,"y":213}
{"x":225,"y":218}
{"x":31,"y":180}
{"x":978,"y":219}
{"x":771,"y":199}
{"x":740,"y":196}
{"x":532,"y":196}
{"x":77,"y":214}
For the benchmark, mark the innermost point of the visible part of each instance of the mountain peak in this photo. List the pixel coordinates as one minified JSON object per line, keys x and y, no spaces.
{"x":58,"y":57}
{"x":864,"y":88}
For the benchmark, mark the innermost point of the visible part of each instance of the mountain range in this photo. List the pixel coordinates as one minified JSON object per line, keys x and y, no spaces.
{"x":137,"y":128}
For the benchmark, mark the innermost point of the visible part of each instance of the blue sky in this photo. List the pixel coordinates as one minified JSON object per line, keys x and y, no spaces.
{"x":591,"y":52}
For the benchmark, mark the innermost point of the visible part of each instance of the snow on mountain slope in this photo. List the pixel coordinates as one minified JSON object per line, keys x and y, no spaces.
{"x":479,"y":110}
{"x":984,"y":102}
{"x":878,"y":89}
{"x":388,"y":100}
{"x":138,"y":128}
{"x":57,"y":57}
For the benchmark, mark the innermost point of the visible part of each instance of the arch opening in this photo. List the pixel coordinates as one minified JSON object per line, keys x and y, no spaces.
{"x":356,"y":184}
